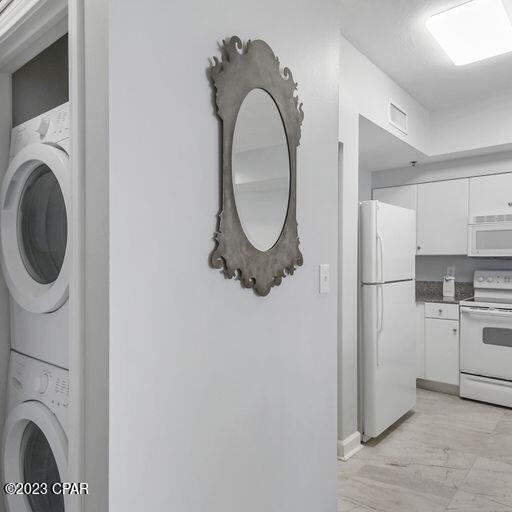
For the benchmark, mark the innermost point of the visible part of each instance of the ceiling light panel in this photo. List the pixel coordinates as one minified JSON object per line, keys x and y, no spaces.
{"x":473,"y":31}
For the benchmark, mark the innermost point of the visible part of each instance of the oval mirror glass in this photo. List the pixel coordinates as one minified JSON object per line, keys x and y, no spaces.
{"x":261,"y":169}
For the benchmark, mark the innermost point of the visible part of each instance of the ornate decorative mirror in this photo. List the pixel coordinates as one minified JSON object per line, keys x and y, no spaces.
{"x":257,"y":239}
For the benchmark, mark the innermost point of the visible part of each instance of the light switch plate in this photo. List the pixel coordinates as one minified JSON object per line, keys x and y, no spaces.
{"x":325,"y":281}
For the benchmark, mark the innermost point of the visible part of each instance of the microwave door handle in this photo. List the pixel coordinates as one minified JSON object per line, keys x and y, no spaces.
{"x":486,"y":312}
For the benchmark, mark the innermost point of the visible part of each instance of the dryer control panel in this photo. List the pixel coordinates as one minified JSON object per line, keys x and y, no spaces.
{"x":51,"y":128}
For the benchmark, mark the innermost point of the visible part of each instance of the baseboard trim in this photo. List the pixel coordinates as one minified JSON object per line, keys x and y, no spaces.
{"x":440,"y":387}
{"x":349,"y":446}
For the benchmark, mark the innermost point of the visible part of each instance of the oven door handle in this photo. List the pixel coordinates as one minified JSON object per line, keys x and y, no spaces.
{"x":486,"y":312}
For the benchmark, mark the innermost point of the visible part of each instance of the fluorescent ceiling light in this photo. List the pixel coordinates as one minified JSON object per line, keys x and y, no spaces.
{"x":473,"y":31}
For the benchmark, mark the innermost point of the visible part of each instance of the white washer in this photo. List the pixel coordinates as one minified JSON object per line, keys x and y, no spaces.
{"x":35,"y":208}
{"x":35,"y":438}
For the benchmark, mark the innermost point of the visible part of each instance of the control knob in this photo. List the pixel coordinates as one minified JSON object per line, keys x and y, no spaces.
{"x":43,"y":127}
{"x":41,"y":383}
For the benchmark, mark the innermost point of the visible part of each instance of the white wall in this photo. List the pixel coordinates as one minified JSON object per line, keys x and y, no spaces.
{"x":365,"y":185}
{"x":370,"y":90}
{"x":219,"y":400}
{"x":481,"y":124}
{"x":348,"y":278}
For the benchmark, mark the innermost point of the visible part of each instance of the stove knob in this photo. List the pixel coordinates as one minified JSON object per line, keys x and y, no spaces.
{"x":489,"y":279}
{"x":41,"y":383}
{"x":480,"y":279}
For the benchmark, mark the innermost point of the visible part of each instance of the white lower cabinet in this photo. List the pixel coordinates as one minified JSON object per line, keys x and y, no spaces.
{"x":442,"y":350}
{"x":420,"y":340}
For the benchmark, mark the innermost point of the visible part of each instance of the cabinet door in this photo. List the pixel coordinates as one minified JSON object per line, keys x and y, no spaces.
{"x":442,"y":351}
{"x":442,"y":218}
{"x":420,"y":341}
{"x":404,"y":196}
{"x":490,"y":194}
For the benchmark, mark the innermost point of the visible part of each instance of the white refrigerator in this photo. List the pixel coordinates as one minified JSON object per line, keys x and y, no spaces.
{"x":387,"y":314}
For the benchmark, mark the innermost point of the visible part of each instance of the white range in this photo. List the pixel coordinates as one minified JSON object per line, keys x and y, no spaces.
{"x":486,"y":339}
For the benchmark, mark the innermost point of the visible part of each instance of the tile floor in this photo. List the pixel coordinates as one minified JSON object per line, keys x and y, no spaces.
{"x":448,"y":455}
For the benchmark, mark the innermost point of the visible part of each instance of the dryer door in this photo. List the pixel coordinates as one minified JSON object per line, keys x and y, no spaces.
{"x":35,"y":451}
{"x":35,"y":201}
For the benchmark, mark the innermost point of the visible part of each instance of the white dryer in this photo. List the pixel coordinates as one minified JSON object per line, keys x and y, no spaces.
{"x":35,"y":207}
{"x":35,"y":438}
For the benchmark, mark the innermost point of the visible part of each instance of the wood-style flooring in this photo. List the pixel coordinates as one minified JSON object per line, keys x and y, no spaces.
{"x":449,"y":454}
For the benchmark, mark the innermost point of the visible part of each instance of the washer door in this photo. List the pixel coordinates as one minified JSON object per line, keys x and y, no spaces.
{"x":34,"y":200}
{"x":35,"y":450}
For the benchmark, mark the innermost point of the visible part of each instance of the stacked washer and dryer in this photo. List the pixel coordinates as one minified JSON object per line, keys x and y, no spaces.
{"x":34,"y":212}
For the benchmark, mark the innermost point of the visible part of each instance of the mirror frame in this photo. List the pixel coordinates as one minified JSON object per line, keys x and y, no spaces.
{"x":245,"y":67}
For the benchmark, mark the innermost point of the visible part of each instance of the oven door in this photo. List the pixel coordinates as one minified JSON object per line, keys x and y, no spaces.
{"x":493,"y":239}
{"x":486,"y":342}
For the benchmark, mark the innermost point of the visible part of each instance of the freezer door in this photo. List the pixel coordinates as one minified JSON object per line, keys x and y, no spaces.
{"x":388,"y":242}
{"x":389,"y":354}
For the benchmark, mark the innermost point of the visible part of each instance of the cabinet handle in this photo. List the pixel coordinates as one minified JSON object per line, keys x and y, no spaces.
{"x":418,"y":248}
{"x":455,"y":330}
{"x":510,"y":203}
{"x":440,"y":311}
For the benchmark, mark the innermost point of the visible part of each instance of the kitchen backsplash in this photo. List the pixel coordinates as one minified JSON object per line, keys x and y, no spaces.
{"x":433,"y":268}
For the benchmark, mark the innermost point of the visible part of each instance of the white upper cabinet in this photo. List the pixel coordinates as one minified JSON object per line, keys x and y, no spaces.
{"x":404,"y":196}
{"x":490,"y":194}
{"x":442,"y":217}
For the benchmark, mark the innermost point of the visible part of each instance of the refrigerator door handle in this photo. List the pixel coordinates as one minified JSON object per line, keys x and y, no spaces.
{"x":380,"y":320}
{"x":380,"y":259}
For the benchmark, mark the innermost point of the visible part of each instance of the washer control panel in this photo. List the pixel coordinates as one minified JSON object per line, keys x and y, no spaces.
{"x":493,"y":279}
{"x":31,"y":379}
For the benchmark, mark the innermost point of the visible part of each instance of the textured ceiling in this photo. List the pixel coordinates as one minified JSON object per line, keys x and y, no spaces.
{"x":392,"y":34}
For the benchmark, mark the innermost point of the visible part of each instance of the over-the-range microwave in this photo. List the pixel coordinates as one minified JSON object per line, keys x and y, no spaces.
{"x":490,"y":235}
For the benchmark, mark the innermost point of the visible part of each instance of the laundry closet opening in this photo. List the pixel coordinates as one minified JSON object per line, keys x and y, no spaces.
{"x":35,"y":213}
{"x":42,"y":83}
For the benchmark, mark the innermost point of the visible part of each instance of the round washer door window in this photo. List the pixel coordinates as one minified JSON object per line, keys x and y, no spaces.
{"x":39,"y":466}
{"x":42,"y":226}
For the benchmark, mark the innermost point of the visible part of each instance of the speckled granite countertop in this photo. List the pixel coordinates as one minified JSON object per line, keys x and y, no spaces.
{"x":432,"y":291}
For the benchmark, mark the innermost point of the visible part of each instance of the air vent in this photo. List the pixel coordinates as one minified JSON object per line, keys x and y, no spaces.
{"x":397,"y":117}
{"x":486,"y":219}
